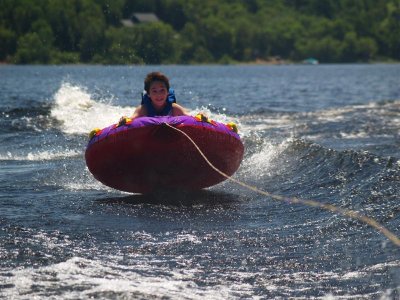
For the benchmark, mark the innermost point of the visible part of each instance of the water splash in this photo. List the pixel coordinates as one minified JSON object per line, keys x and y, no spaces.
{"x":78,"y":113}
{"x":41,"y":155}
{"x":260,"y":164}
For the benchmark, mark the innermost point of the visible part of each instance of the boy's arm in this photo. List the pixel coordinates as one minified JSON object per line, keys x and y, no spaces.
{"x":179,"y":110}
{"x":140,"y":111}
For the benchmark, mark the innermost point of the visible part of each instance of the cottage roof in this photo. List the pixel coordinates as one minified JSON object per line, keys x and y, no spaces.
{"x":144,"y":17}
{"x":137,"y":18}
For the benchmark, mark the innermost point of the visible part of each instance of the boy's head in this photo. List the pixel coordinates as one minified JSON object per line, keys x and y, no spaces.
{"x":153,"y":77}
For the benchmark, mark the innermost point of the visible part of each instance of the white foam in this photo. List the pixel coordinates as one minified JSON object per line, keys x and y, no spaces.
{"x":81,"y":186}
{"x":29,"y":122}
{"x":251,"y":125}
{"x":83,"y":278}
{"x":259,"y":164}
{"x":41,"y":155}
{"x":353,"y":135}
{"x":129,"y":275}
{"x":79,"y":181}
{"x":78,"y":113}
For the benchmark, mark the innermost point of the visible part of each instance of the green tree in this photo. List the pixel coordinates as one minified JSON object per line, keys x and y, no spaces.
{"x":63,"y":19}
{"x":244,"y":36}
{"x":44,"y":31}
{"x":172,"y":12}
{"x":132,"y":6}
{"x":26,"y":12}
{"x":367,"y":49}
{"x":156,"y":43}
{"x":112,"y":10}
{"x":8,"y":43}
{"x":283,"y":35}
{"x":388,"y":35}
{"x":31,"y":49}
{"x":93,"y":26}
{"x":199,"y":31}
{"x":325,"y":50}
{"x":350,"y":47}
{"x":193,"y":45}
{"x":218,"y":36}
{"x":120,"y":47}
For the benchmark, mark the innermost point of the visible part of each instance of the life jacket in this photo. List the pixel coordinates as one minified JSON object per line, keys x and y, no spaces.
{"x":151,"y":111}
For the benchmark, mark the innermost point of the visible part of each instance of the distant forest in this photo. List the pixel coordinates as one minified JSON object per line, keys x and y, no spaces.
{"x":198,"y":31}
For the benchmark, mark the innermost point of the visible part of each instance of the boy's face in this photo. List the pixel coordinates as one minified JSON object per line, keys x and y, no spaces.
{"x":158,"y":94}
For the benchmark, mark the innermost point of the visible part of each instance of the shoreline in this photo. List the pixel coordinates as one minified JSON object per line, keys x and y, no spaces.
{"x":257,"y":62}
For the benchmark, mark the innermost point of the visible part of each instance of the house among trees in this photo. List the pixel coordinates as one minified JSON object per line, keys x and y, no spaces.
{"x":137,"y":18}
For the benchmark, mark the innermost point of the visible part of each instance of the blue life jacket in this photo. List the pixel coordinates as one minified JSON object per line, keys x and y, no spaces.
{"x":151,"y":111}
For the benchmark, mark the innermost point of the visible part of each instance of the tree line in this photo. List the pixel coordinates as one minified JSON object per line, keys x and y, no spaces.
{"x":198,"y":31}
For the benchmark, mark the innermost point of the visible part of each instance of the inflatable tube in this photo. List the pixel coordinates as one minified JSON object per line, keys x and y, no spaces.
{"x":145,"y":155}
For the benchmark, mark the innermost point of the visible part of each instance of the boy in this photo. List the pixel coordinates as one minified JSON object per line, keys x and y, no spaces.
{"x":158,"y":99}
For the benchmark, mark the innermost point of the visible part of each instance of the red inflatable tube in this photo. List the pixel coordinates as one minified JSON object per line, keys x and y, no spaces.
{"x":145,"y":155}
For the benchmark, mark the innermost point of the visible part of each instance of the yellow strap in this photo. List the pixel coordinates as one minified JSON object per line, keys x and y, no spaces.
{"x":232,"y":126}
{"x":94,"y":132}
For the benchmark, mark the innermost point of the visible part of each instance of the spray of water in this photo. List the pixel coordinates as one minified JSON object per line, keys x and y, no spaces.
{"x":78,"y":113}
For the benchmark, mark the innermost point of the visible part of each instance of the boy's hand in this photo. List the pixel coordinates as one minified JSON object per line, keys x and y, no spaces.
{"x":123,"y":120}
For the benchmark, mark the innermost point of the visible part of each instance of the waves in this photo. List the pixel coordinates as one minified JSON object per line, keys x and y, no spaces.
{"x":353,"y":180}
{"x":332,"y":154}
{"x":64,"y":234}
{"x":74,"y":109}
{"x":121,"y":281}
{"x":323,"y":146}
{"x":215,"y":265}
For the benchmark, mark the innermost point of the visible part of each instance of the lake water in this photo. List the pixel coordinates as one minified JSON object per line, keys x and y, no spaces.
{"x":328,"y":133}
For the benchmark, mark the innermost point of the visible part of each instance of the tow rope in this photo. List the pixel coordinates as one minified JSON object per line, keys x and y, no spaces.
{"x":294,"y":200}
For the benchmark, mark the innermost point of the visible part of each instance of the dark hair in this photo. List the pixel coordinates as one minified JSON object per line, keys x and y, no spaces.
{"x":155,"y":76}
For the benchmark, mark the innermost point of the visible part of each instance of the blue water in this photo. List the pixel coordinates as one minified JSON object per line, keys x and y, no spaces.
{"x":329,"y":133}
